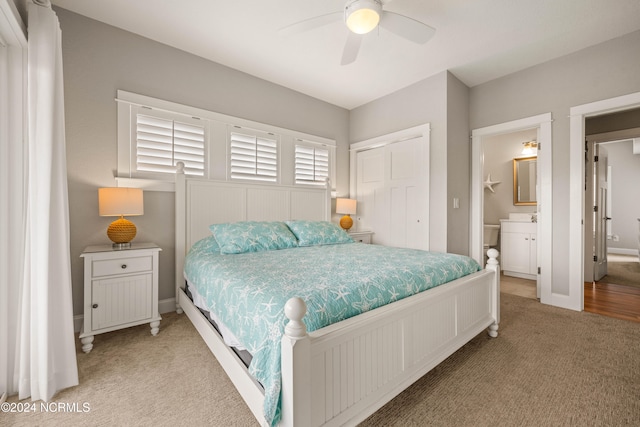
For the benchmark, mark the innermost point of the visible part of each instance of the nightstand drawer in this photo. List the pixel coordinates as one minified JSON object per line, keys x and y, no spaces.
{"x":361,"y":236}
{"x":122,"y":266}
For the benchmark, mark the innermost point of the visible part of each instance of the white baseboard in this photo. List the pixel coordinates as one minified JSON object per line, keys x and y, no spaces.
{"x":167,"y":305}
{"x":622,"y":251}
{"x":164,"y":306}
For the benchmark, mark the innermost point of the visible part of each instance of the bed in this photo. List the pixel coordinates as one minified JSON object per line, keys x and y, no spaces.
{"x":348,"y":364}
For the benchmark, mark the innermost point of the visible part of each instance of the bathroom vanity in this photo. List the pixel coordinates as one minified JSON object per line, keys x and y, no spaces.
{"x":519,"y":248}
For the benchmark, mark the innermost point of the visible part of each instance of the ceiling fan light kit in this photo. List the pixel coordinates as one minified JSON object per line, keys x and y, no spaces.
{"x":362,"y":16}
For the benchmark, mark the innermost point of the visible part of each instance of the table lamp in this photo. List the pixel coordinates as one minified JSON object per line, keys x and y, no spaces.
{"x":121,"y":201}
{"x":346,"y":207}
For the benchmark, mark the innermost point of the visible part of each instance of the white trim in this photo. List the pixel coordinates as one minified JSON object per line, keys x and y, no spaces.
{"x":622,"y":251}
{"x":173,"y":107}
{"x":146,"y":184}
{"x":217,"y":164}
{"x":13,"y":31}
{"x":544,"y":207}
{"x":577,"y":117}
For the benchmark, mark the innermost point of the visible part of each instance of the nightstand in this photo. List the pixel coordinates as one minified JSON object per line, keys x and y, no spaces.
{"x":361,"y":236}
{"x":120,"y":289}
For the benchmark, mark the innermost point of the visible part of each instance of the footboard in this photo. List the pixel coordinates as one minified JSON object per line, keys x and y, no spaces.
{"x":341,"y":374}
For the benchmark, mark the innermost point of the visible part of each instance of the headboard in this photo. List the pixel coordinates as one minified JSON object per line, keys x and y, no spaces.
{"x":201,"y":202}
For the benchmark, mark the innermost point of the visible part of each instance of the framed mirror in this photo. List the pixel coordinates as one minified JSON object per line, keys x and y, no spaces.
{"x":524,"y":181}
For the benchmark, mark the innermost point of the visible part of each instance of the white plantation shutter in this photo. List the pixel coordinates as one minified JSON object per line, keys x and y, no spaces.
{"x":254,"y":157}
{"x":162,"y":142}
{"x":312,"y":165}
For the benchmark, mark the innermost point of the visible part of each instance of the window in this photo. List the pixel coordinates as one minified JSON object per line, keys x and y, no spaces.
{"x":312,"y":165}
{"x":154,"y":135}
{"x":253,"y":156}
{"x":161,"y":143}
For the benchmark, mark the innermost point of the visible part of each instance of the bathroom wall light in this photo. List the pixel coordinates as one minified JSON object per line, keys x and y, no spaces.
{"x":530,"y":148}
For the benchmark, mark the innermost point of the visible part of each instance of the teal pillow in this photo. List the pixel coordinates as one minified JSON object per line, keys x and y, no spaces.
{"x":252,"y":236}
{"x":312,"y":233}
{"x":208,"y":244}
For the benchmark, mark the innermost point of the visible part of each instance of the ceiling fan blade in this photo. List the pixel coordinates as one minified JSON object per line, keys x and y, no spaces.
{"x":311,"y":23}
{"x":407,"y":28}
{"x":351,"y":48}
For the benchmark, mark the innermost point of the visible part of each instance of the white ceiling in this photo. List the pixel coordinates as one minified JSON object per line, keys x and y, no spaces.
{"x":477,"y":40}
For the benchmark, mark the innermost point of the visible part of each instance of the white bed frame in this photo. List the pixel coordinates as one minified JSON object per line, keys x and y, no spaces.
{"x":340,"y":374}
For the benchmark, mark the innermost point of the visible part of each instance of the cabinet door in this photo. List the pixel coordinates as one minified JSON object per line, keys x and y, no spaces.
{"x":533,"y":254}
{"x":516,"y":252}
{"x":121,"y":300}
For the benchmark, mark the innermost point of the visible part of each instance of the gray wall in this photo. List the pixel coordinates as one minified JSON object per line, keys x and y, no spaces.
{"x":600,"y":72}
{"x":499,"y":152}
{"x":99,"y":60}
{"x":442,"y":101}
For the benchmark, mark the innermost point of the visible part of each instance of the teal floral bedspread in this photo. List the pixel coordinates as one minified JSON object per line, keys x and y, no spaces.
{"x":248,"y":291}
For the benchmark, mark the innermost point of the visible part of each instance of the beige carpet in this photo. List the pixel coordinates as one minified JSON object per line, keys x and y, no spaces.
{"x":622,"y":271}
{"x":548,"y":367}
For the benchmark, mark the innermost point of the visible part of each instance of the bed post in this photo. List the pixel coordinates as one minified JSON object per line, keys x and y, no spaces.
{"x":327,"y":199}
{"x":296,"y":367}
{"x":180,"y":230}
{"x":492,"y":264}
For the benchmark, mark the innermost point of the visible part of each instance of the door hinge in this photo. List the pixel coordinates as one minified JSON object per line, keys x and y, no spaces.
{"x":595,"y":258}
{"x":595,"y":158}
{"x":538,"y":270}
{"x":595,"y":208}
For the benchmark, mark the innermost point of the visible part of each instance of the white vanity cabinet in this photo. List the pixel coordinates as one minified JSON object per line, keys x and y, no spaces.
{"x":519,"y":249}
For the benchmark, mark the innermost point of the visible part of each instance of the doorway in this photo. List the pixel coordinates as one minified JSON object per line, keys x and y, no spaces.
{"x":611,"y":207}
{"x":579,"y":258}
{"x":544,"y":243}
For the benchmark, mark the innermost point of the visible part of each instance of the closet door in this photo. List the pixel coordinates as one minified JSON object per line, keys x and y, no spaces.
{"x":391,"y":189}
{"x":371,"y":194}
{"x":405,"y":183}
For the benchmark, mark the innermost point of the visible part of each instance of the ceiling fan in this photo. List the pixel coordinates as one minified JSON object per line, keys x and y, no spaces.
{"x":362,"y":17}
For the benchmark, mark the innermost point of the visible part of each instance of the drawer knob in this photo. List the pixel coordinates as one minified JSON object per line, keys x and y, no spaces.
{"x":95,"y":306}
{"x":123,"y":266}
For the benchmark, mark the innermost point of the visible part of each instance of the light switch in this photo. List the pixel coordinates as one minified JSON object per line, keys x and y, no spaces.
{"x":456,"y":203}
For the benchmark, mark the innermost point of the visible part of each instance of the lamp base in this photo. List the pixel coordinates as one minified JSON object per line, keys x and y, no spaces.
{"x":346,"y":222}
{"x":121,"y":246}
{"x":121,"y":232}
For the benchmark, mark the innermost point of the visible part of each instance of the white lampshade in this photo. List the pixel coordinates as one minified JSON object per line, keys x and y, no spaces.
{"x":346,"y":206}
{"x":120,"y":201}
{"x":362,"y":16}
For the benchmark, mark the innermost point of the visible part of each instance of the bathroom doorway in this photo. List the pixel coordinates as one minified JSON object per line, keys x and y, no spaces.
{"x":541,"y":125}
{"x":510,"y":207}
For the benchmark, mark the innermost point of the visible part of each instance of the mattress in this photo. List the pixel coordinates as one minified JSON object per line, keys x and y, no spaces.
{"x":247,"y":291}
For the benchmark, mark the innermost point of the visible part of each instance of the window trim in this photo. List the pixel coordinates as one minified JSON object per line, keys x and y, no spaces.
{"x":215,"y":169}
{"x":315,"y":146}
{"x":258,"y":135}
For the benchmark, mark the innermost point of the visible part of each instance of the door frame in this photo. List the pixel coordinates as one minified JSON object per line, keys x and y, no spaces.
{"x":544,"y":207}
{"x":577,"y":116}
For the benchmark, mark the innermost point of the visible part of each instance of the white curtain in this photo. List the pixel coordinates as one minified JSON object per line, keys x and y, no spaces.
{"x":45,"y":348}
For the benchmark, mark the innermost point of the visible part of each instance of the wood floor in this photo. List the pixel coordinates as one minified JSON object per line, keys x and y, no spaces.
{"x":621,"y":302}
